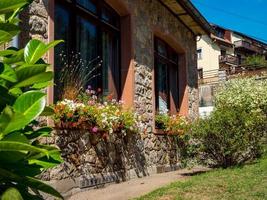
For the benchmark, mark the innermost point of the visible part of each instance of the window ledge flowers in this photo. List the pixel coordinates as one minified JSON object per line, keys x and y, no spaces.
{"x":172,"y":124}
{"x":98,"y":116}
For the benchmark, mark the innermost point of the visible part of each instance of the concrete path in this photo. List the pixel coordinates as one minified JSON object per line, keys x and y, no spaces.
{"x":135,"y":187}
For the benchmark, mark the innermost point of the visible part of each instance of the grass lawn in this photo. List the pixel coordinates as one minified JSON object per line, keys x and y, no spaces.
{"x":242,"y":183}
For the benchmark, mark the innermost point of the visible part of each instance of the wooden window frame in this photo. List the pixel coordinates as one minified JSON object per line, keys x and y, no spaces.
{"x":173,"y":102}
{"x":78,"y":10}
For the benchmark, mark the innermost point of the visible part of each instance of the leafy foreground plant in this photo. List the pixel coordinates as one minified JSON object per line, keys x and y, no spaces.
{"x":22,"y":74}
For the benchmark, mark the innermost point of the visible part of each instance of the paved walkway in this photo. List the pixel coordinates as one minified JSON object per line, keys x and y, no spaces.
{"x":134,"y":187}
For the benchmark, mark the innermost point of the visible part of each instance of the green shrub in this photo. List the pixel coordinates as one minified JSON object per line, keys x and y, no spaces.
{"x":255,"y":61}
{"x":248,"y":94}
{"x":23,"y":75}
{"x":234,"y":133}
{"x":230,"y":137}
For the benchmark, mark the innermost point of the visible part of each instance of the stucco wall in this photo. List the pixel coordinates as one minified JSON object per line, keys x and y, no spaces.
{"x":236,"y":37}
{"x":210,"y":54}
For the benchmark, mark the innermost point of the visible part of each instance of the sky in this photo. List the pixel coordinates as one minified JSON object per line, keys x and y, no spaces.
{"x":245,"y":16}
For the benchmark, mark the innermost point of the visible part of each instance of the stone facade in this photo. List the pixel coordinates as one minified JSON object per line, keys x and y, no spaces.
{"x":133,"y":155}
{"x":34,"y":22}
{"x":120,"y":157}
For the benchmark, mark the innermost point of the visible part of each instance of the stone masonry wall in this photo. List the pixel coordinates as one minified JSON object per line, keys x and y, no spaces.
{"x":120,"y":157}
{"x":34,"y":22}
{"x":87,"y":157}
{"x":146,"y":15}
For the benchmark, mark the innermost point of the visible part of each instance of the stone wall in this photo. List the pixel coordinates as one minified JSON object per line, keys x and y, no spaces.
{"x":121,"y":158}
{"x":92,"y":161}
{"x":34,"y":22}
{"x":147,"y":16}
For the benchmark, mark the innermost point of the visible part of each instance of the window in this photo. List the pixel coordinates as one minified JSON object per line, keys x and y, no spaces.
{"x":199,"y":54}
{"x":200,"y":73}
{"x":91,"y":28}
{"x":220,"y":32}
{"x":223,"y":52}
{"x":166,"y":77}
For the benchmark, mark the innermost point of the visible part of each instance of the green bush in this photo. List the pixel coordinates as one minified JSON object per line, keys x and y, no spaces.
{"x":234,"y":133}
{"x":255,"y":61}
{"x":230,"y":137}
{"x":248,"y":94}
{"x":23,"y":75}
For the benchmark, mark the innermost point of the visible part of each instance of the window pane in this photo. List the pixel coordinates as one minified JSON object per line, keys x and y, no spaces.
{"x":62,"y":31}
{"x":110,"y":17}
{"x":162,"y":87}
{"x":107,"y":49}
{"x":161,"y":48}
{"x":110,"y":67}
{"x":86,"y":45}
{"x":88,"y":4}
{"x":174,"y":57}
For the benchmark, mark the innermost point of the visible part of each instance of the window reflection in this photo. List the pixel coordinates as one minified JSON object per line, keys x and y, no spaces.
{"x":92,"y":37}
{"x":88,"y":4}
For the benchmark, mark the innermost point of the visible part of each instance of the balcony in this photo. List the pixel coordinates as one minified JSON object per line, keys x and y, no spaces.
{"x":247,"y":46}
{"x":228,"y":59}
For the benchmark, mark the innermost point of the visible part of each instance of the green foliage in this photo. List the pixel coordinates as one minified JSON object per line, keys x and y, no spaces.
{"x":22,"y":74}
{"x":247,"y":94}
{"x":255,"y":61}
{"x":235,"y":132}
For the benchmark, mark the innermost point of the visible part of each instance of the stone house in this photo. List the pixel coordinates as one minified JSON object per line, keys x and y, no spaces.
{"x":148,"y":49}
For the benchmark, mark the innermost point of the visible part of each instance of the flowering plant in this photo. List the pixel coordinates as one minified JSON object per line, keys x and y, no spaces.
{"x":98,"y":115}
{"x":172,"y":124}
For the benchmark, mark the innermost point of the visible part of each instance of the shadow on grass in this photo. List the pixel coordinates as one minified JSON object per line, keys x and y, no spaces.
{"x":195,"y":172}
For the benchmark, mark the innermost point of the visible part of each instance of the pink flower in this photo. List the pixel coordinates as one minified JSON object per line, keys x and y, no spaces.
{"x":95,"y":129}
{"x":91,"y":102}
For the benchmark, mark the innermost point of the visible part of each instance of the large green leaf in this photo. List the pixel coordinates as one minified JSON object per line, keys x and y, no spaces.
{"x":39,"y":78}
{"x":30,"y":104}
{"x":35,"y":49}
{"x":25,"y":109}
{"x":4,"y":37}
{"x":27,"y":71}
{"x":16,"y":136}
{"x":7,"y":73}
{"x":7,"y":52}
{"x":11,"y":121}
{"x":44,"y":131}
{"x":15,"y":92}
{"x":29,"y":182}
{"x":11,"y":194}
{"x":7,"y":6}
{"x":42,"y":85}
{"x":20,"y":146}
{"x":11,"y":157}
{"x":6,"y":99}
{"x":15,"y":58}
{"x":12,"y":29}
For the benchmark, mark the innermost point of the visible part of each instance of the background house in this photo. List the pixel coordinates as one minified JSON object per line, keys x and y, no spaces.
{"x":221,"y":56}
